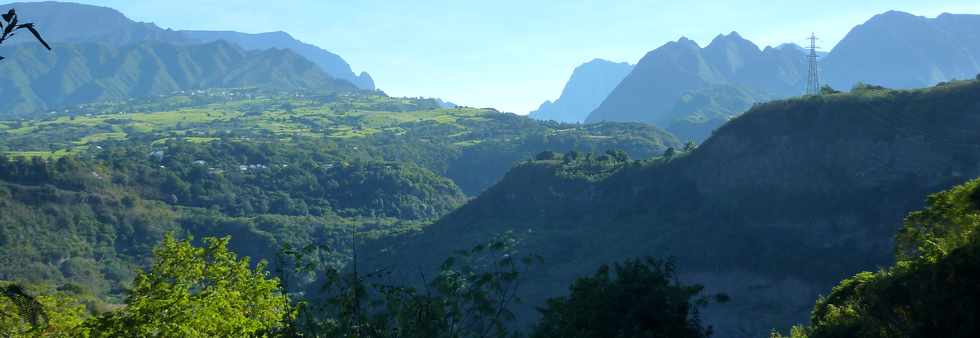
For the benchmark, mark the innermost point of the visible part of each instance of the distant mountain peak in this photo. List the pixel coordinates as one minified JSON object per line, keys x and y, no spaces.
{"x":895,"y":16}
{"x":601,"y":62}
{"x":589,"y":84}
{"x":733,"y":35}
{"x":684,"y":41}
{"x":732,"y":39}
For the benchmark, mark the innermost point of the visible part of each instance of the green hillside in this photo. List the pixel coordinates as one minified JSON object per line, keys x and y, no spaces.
{"x":90,"y":189}
{"x":473,"y":147}
{"x":930,"y":291}
{"x":92,"y":220}
{"x":775,"y":208}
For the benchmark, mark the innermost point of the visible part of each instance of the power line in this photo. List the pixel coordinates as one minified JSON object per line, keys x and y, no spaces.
{"x":813,"y":78}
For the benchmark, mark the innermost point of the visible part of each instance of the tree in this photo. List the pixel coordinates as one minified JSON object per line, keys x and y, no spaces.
{"x":12,"y":26}
{"x":468,"y":297}
{"x":669,"y":153}
{"x":619,"y":155}
{"x":45,"y":315}
{"x":546,"y":155}
{"x":828,"y":90}
{"x":198,"y":292}
{"x":635,"y":299}
{"x":931,"y":291}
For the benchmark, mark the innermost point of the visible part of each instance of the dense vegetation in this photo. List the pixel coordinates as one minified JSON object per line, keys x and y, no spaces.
{"x":92,"y":220}
{"x":635,"y":299}
{"x":788,"y":182}
{"x":314,"y":204}
{"x":88,"y":191}
{"x":473,"y":147}
{"x":931,"y":291}
{"x":208,"y":291}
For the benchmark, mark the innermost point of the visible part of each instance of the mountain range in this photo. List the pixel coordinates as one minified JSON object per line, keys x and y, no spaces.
{"x":730,"y":64}
{"x":101,"y":54}
{"x":73,"y":23}
{"x":773,"y":209}
{"x":901,"y":50}
{"x":329,"y":62}
{"x":690,"y":90}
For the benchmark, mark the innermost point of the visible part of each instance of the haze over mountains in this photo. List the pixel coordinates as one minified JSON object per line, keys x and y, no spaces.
{"x":690,"y":90}
{"x":589,"y":85}
{"x":270,"y":143}
{"x":35,"y":79}
{"x":45,"y":82}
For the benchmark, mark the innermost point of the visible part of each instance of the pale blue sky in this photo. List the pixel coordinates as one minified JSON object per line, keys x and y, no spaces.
{"x":513,"y":54}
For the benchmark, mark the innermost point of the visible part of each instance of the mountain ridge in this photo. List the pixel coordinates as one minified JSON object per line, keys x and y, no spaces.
{"x":36,"y":80}
{"x":106,"y":25}
{"x":875,"y":52}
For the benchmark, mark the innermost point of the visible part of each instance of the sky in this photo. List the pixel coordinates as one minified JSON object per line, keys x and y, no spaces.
{"x":514,"y":54}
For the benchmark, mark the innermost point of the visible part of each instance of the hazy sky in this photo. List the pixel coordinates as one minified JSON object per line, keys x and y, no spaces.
{"x":513,"y":54}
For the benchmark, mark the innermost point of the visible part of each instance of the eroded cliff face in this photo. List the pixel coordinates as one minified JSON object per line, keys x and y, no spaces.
{"x":815,"y":190}
{"x":777,"y":207}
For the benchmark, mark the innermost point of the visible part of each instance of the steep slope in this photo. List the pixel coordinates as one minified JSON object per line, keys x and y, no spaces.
{"x":663,"y":75}
{"x":267,"y":169}
{"x":65,"y":22}
{"x":774,"y":209}
{"x":329,"y":62}
{"x":92,"y":220}
{"x":900,"y":50}
{"x":33,"y":79}
{"x":931,"y":291}
{"x":585,"y":90}
{"x":691,"y":90}
{"x":702,"y":111}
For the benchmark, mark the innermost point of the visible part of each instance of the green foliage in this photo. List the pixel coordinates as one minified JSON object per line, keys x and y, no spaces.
{"x":469,"y":296}
{"x":788,"y":182}
{"x":87,"y":191}
{"x":949,"y":222}
{"x":198,"y":292}
{"x":45,"y":314}
{"x":473,"y":147}
{"x":634,"y":299}
{"x":697,"y":113}
{"x":930,"y":292}
{"x":828,"y":90}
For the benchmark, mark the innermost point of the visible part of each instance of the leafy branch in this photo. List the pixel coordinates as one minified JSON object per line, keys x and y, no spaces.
{"x":12,"y":25}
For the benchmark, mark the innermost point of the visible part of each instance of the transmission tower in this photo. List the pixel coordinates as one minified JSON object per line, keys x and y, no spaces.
{"x":813,"y":79}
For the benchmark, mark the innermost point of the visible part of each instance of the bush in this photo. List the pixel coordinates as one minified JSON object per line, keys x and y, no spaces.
{"x":638,"y":298}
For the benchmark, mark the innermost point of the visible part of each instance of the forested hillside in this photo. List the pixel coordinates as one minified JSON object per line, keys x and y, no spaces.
{"x":473,"y":147}
{"x":167,"y":183}
{"x":775,"y":208}
{"x":91,"y":189}
{"x":931,"y":289}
